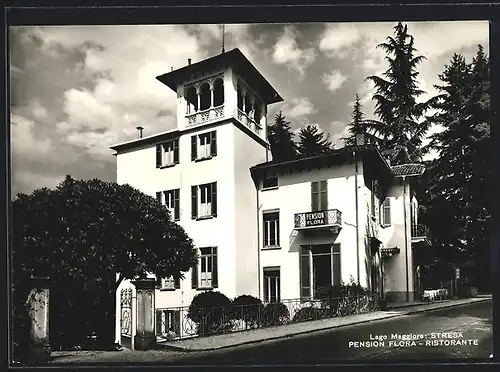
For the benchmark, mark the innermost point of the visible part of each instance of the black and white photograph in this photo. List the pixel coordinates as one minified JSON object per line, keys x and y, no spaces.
{"x":251,"y":193}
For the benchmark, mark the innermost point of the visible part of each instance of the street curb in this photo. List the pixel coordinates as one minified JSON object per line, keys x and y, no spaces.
{"x":408,"y":312}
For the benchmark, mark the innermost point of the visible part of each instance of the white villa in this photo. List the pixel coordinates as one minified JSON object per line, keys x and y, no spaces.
{"x":273,"y":230}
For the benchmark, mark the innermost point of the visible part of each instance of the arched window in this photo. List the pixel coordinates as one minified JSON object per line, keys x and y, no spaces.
{"x":218,"y":92}
{"x":248,"y":104}
{"x":192,"y":100}
{"x":240,"y":97}
{"x":205,"y":96}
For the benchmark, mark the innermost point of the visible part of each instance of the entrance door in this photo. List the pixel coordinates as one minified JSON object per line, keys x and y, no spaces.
{"x":322,"y":270}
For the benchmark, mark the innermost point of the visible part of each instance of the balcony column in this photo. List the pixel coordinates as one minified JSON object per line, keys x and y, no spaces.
{"x":38,"y":302}
{"x":244,"y":99}
{"x":145,"y":337}
{"x":212,"y":96}
{"x":198,"y":95}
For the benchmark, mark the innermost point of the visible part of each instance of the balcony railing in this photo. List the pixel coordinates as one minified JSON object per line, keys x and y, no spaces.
{"x":327,"y":218}
{"x":213,"y":113}
{"x":249,"y":122}
{"x":419,"y":231}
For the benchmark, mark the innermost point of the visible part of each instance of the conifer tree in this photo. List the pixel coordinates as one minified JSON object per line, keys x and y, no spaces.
{"x":281,"y":139}
{"x":313,"y":142}
{"x":402,"y":126}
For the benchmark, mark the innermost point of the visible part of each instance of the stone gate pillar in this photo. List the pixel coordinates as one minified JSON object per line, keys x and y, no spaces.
{"x":38,"y":305}
{"x":145,"y":337}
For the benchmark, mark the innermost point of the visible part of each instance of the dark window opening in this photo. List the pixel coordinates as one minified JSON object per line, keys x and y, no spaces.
{"x":218,"y":92}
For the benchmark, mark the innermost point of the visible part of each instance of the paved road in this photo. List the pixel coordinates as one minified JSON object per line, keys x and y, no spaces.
{"x":468,"y":330}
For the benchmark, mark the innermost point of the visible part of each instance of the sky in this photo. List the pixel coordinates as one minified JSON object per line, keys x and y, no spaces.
{"x":76,"y":90}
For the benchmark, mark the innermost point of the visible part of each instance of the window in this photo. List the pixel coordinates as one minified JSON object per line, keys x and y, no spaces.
{"x":167,"y":154}
{"x":272,"y":290}
{"x":170,"y":283}
{"x":319,"y":196}
{"x":204,"y":201}
{"x":203,"y":146}
{"x":204,"y":272}
{"x":269,"y":182}
{"x":271,"y":227}
{"x":385,"y":217}
{"x":170,"y":199}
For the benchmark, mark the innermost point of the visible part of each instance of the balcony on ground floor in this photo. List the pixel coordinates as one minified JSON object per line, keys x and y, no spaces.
{"x":326,"y":219}
{"x":419,"y":233}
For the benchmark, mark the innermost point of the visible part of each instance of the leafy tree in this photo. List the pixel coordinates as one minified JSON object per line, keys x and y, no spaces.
{"x":460,"y":177}
{"x":92,"y":234}
{"x":402,"y":126}
{"x":313,"y":142}
{"x":281,"y":139}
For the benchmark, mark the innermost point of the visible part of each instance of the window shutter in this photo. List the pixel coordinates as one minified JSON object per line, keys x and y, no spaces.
{"x":194,"y":147}
{"x":158,"y":196}
{"x":158,"y":322}
{"x":177,"y":283}
{"x":177,"y":322}
{"x":305,"y":280}
{"x":194,"y":273}
{"x":324,"y":196}
{"x":314,"y":196}
{"x":214,"y":199}
{"x":386,"y":212}
{"x":215,"y":279}
{"x":213,"y":143}
{"x":176,"y":205}
{"x":194,"y":202}
{"x":158,"y":156}
{"x":176,"y":151}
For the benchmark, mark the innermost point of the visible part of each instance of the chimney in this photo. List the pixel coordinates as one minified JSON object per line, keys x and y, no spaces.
{"x":189,"y":61}
{"x":172,"y":68}
{"x":140,"y":129}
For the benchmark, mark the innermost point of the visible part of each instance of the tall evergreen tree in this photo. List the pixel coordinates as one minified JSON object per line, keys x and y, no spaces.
{"x":402,"y":126}
{"x":356,"y":126}
{"x":460,"y":177}
{"x":312,"y":141}
{"x":281,"y":139}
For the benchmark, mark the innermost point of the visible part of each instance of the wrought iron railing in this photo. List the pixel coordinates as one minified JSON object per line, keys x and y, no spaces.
{"x":216,"y":320}
{"x":213,"y":113}
{"x":419,"y":231}
{"x":331,"y":217}
{"x":248,"y":121}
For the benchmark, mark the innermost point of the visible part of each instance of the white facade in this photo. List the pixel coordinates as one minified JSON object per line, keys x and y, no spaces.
{"x":231,"y":136}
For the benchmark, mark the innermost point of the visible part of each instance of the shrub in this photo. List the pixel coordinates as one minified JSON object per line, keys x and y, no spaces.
{"x":346,"y":299}
{"x":247,"y":308}
{"x":275,"y":313}
{"x":211,"y":312}
{"x":311,"y":313}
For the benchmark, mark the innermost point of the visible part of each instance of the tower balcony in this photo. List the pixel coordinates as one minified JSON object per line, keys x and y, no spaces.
{"x":330,"y":219}
{"x":419,"y":233}
{"x":205,"y":116}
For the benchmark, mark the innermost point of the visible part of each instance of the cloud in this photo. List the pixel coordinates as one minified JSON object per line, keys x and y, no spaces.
{"x":338,"y":39}
{"x":287,"y":51}
{"x":334,"y":80}
{"x":298,"y":108}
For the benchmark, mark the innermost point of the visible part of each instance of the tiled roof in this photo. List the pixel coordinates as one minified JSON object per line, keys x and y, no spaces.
{"x":411,"y":169}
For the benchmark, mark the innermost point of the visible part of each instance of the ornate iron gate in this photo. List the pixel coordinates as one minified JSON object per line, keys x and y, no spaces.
{"x":126,"y":317}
